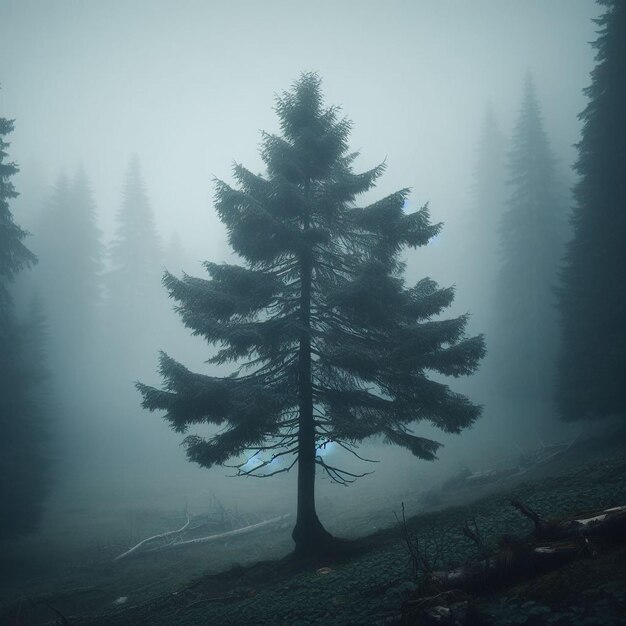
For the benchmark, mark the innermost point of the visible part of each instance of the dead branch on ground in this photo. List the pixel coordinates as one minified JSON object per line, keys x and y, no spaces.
{"x":143,"y":547}
{"x":153,"y":538}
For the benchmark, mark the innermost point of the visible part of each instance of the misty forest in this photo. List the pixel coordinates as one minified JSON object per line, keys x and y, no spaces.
{"x":313,"y":313}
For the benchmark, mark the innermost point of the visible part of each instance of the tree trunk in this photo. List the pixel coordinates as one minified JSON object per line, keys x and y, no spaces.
{"x":308,"y":534}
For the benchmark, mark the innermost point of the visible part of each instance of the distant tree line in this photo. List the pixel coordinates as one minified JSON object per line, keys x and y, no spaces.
{"x":514,"y":247}
{"x":24,"y":458}
{"x":592,"y":296}
{"x":555,"y":298}
{"x":83,"y":306}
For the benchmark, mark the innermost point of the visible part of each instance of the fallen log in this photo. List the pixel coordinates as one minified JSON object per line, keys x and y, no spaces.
{"x":553,"y":543}
{"x":595,"y":523}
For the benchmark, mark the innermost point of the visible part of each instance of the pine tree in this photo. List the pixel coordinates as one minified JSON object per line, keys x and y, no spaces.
{"x":14,"y":255}
{"x":335,"y":347}
{"x":134,"y":281}
{"x":85,"y":264}
{"x":135,"y":253}
{"x":23,"y":464}
{"x":68,"y":280}
{"x":68,"y":242}
{"x":524,"y":339}
{"x":478,"y":240}
{"x":592,"y":362}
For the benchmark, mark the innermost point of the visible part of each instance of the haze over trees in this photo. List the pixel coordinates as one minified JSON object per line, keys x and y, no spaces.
{"x":134,"y":279}
{"x":135,"y":252}
{"x":592,"y":361}
{"x":68,"y":242}
{"x":68,"y":279}
{"x":524,"y":338}
{"x":24,"y":456}
{"x":335,"y":347}
{"x":480,"y":243}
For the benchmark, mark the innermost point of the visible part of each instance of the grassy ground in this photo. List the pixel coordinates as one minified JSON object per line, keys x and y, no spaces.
{"x":370,"y":586}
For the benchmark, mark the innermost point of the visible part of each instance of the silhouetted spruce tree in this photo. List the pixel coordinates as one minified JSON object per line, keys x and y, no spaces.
{"x":69,"y":281}
{"x":68,"y":242}
{"x":524,"y":342}
{"x":479,"y":241}
{"x":137,"y":264}
{"x":135,"y":253}
{"x":23,"y":464}
{"x":592,"y":364}
{"x":14,"y":255}
{"x":336,"y":347}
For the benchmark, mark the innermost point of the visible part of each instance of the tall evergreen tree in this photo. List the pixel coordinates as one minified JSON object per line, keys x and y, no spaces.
{"x":592,"y":364}
{"x":524,"y":340}
{"x":336,"y":347}
{"x":479,"y":241}
{"x":68,"y":242}
{"x":23,"y":464}
{"x":14,"y":255}
{"x":135,"y":253}
{"x":134,"y":281}
{"x":68,"y":280}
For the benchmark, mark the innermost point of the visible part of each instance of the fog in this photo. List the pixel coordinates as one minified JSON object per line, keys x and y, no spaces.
{"x":185,"y":88}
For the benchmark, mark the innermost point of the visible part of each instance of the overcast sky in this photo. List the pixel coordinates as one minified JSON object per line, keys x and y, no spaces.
{"x":188,"y":85}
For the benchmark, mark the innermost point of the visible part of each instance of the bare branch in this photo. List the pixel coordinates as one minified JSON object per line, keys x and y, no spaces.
{"x":351,"y":450}
{"x":473,"y":534}
{"x":252,"y":471}
{"x":154,"y":538}
{"x":340,"y":476}
{"x":278,"y":471}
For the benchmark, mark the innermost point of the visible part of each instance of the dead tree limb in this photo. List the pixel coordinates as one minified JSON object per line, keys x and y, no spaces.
{"x":153,"y":538}
{"x":144,"y":547}
{"x":219,"y":536}
{"x":473,"y":534}
{"x":541,"y":526}
{"x":602,"y":522}
{"x":554,"y":542}
{"x":424,"y":554}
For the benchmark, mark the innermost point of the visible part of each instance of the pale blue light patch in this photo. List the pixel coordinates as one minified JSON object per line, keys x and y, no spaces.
{"x":255,"y":461}
{"x":327,"y":449}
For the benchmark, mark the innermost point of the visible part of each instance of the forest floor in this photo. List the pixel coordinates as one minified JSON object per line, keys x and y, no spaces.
{"x":369,"y":586}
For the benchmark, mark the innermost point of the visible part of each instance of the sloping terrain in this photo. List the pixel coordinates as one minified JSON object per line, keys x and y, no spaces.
{"x":369,"y":585}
